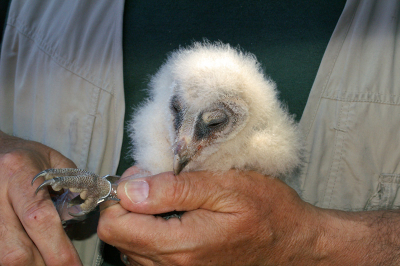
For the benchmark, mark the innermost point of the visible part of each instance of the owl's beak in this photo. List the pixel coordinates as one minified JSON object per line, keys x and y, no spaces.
{"x":179,"y":163}
{"x":182,"y":155}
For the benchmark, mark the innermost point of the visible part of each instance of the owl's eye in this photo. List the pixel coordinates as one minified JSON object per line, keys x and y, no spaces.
{"x":175,"y":105}
{"x":175,"y":109}
{"x":215,"y":119}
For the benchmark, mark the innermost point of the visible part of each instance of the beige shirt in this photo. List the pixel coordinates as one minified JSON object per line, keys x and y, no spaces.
{"x":352,"y":119}
{"x":61,"y":84}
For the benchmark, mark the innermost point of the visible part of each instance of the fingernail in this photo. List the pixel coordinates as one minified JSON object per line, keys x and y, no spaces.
{"x":137,"y":190}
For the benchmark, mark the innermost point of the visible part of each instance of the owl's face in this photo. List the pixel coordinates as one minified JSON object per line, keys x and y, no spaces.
{"x":200,"y":128}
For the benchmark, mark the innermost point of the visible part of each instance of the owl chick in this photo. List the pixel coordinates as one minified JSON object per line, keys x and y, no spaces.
{"x":212,"y":108}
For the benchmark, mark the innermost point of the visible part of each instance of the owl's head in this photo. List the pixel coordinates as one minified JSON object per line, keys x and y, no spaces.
{"x":215,"y":94}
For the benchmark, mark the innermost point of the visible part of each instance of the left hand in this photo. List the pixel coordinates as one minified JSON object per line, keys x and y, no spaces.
{"x":231,"y":218}
{"x":30,"y":229}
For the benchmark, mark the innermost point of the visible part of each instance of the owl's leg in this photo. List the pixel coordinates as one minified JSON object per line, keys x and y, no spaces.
{"x":92,"y":188}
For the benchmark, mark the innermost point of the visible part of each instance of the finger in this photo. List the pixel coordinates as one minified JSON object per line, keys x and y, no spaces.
{"x":16,"y":248}
{"x":42,"y":223}
{"x":57,"y":160}
{"x":188,"y":191}
{"x":133,"y":170}
{"x":33,"y":218}
{"x":138,"y":232}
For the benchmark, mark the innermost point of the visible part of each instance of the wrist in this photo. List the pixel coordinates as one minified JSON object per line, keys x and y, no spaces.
{"x":326,"y":237}
{"x":359,"y":238}
{"x":311,"y":237}
{"x":301,"y":233}
{"x":340,"y":238}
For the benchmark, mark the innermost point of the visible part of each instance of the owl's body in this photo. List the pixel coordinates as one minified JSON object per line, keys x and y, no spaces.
{"x":212,"y":108}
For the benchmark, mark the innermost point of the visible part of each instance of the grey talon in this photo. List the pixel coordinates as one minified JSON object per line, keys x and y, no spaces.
{"x":92,"y":188}
{"x":37,"y":176}
{"x":49,"y":182}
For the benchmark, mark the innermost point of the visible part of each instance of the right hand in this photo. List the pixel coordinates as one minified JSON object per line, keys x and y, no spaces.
{"x":30,"y":228}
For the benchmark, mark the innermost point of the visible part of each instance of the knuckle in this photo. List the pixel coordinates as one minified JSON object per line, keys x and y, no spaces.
{"x":16,"y":256}
{"x":62,"y":257}
{"x":15,"y":161}
{"x":103,"y":231}
{"x":105,"y":228}
{"x":14,"y":248}
{"x":39,"y":216}
{"x":12,"y":160}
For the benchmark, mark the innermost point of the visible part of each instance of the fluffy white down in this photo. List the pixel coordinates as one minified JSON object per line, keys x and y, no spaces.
{"x":269,"y":142}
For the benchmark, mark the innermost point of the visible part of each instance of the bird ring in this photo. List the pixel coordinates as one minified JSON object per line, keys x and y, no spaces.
{"x":125,"y":260}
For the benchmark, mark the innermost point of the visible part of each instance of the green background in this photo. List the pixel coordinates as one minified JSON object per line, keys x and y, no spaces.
{"x":288,"y":37}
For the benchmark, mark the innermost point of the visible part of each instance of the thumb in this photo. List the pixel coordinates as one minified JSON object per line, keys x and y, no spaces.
{"x":188,"y":191}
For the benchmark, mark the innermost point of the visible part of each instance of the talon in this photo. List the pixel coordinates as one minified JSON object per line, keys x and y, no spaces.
{"x":43,"y":173}
{"x":92,"y":188}
{"x":49,"y":182}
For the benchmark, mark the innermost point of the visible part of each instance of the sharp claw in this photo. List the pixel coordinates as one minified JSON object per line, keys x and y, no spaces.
{"x":43,"y":173}
{"x":93,"y":189}
{"x":49,"y":182}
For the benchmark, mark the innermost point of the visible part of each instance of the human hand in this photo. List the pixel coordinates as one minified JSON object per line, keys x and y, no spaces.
{"x":240,"y":218}
{"x":30,"y":228}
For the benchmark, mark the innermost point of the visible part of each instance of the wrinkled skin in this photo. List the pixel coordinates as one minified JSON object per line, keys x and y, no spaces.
{"x":226,"y":223}
{"x":30,"y":229}
{"x":241,"y":218}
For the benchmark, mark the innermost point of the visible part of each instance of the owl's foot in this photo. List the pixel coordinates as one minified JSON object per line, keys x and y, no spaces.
{"x":92,"y":188}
